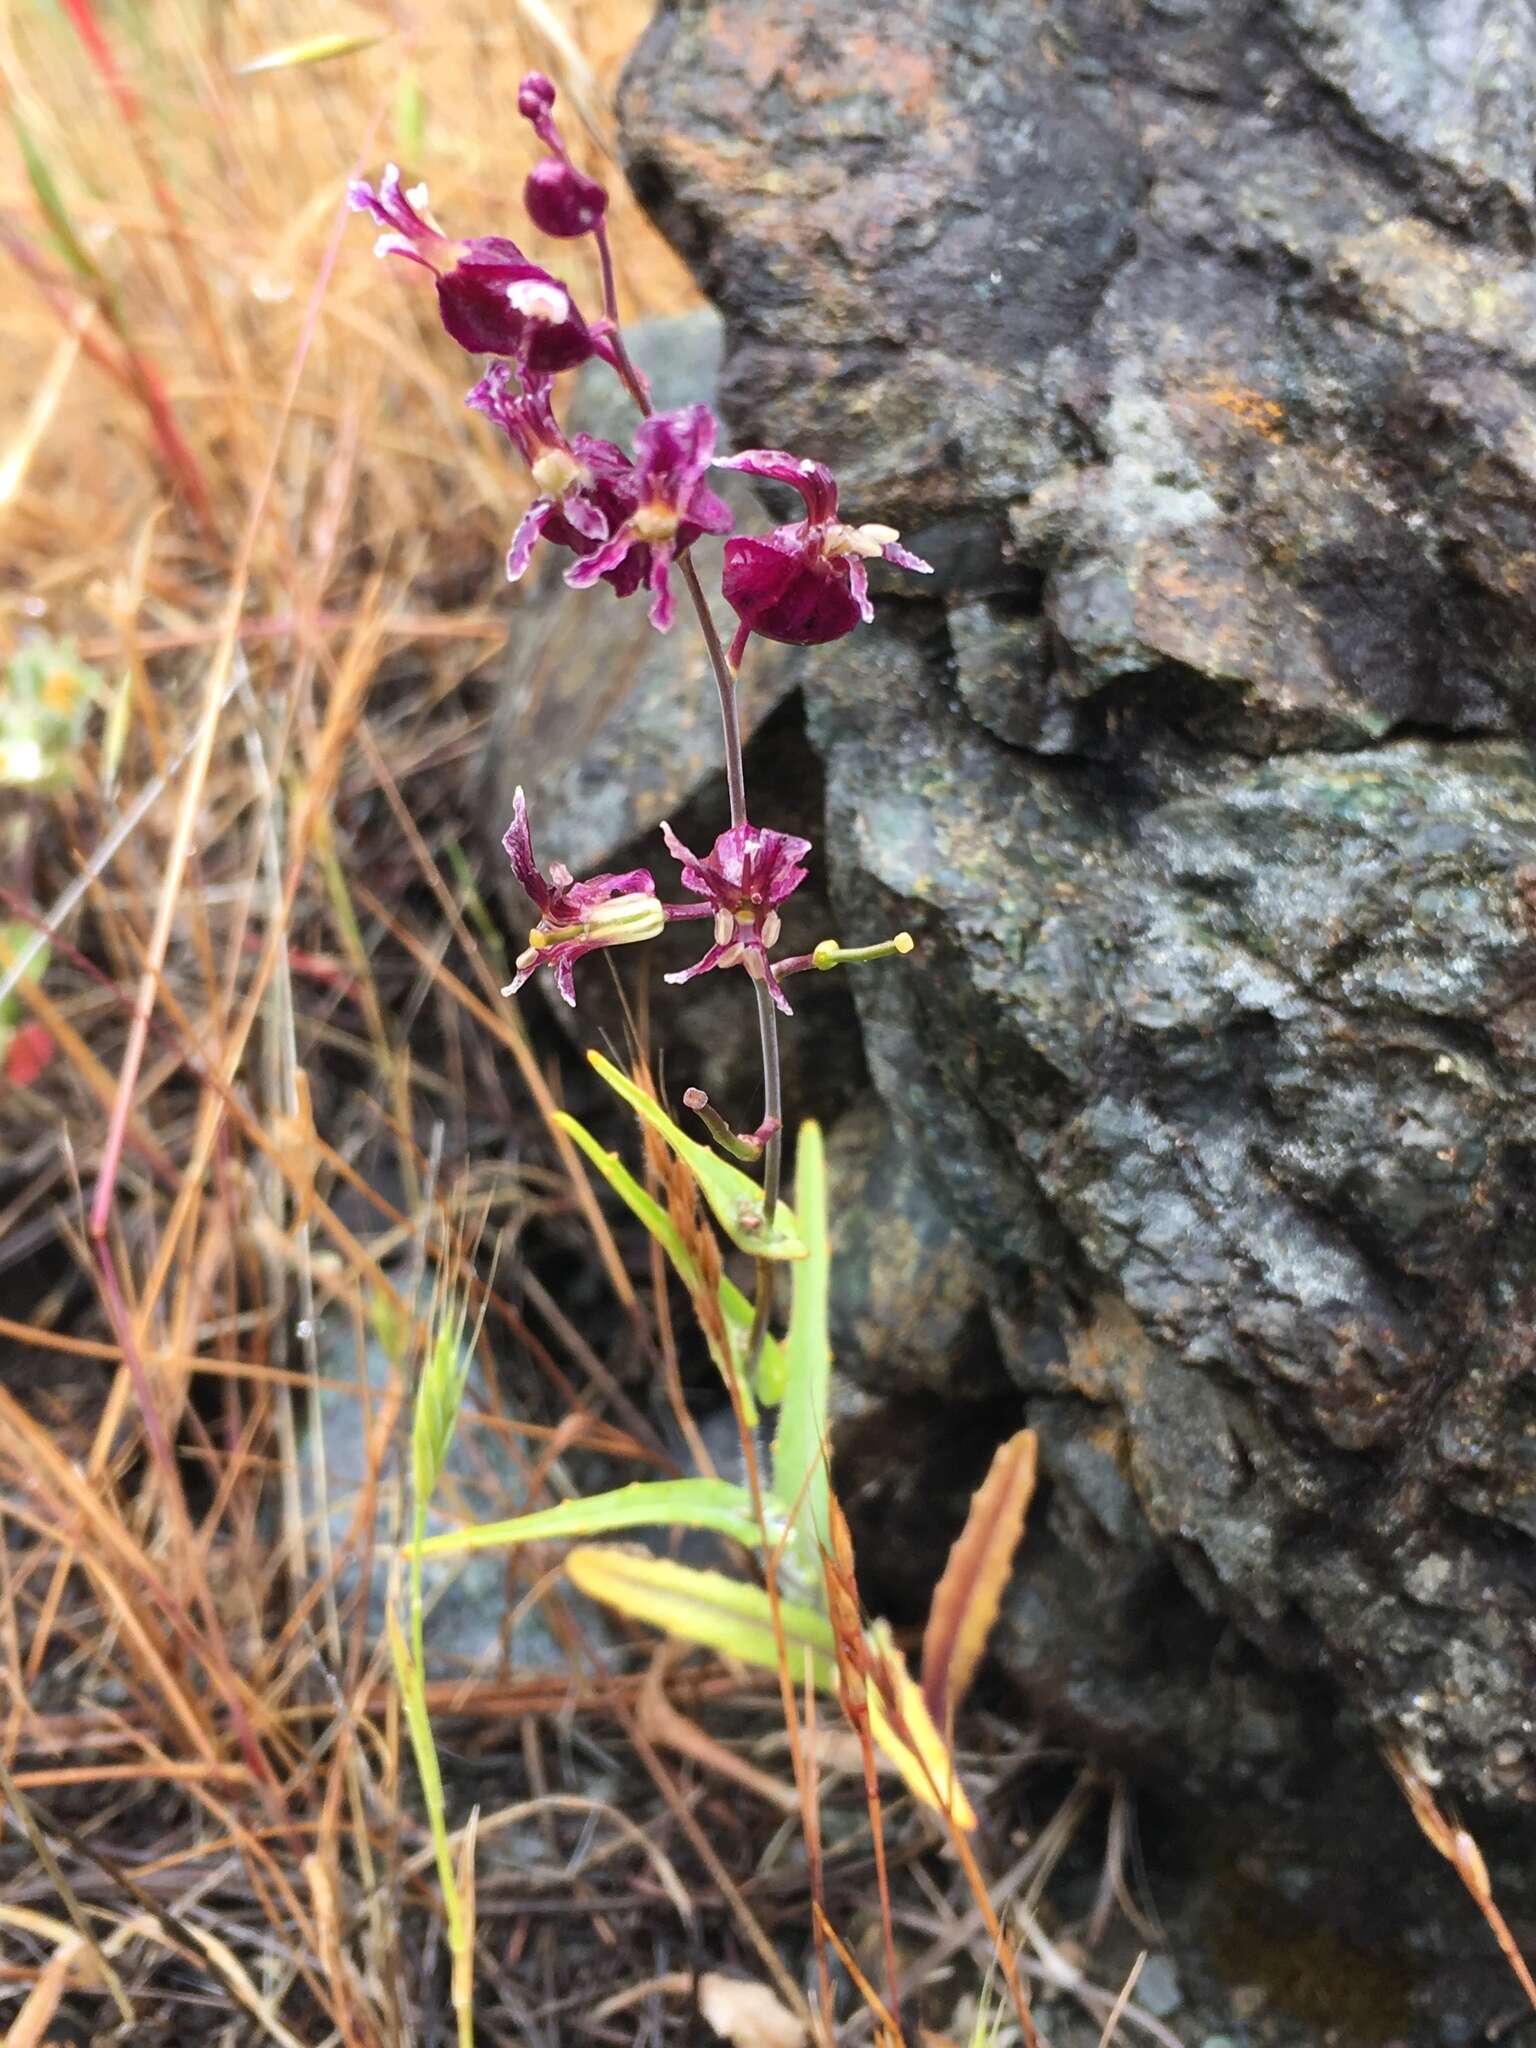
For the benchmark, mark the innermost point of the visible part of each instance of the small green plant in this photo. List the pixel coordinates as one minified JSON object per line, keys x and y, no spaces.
{"x":783,"y":1519}
{"x":45,"y":694}
{"x":439,"y":1396}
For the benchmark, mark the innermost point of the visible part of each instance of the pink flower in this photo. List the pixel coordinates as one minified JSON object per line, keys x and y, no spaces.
{"x":747,"y":875}
{"x":672,"y":507}
{"x":804,"y":583}
{"x":575,"y":918}
{"x":493,"y":301}
{"x":586,"y":485}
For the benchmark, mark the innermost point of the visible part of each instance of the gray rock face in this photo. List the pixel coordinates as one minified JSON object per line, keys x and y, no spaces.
{"x":1193,"y":342}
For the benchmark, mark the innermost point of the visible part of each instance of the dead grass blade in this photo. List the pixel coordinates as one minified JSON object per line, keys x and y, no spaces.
{"x":967,"y":1597}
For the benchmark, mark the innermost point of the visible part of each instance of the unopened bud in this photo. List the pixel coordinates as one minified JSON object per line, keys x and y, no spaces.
{"x":830,"y":954}
{"x":562,"y":200}
{"x":535,"y":96}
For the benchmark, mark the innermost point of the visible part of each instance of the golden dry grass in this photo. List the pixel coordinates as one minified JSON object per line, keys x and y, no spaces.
{"x":236,"y":468}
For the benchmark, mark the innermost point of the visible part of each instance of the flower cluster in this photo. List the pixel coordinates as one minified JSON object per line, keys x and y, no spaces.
{"x":626,"y":517}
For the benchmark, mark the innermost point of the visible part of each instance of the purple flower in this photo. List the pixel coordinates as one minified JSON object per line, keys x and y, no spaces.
{"x":560,"y":199}
{"x":746,"y":877}
{"x":673,"y":506}
{"x":804,"y":583}
{"x":575,"y":918}
{"x":586,"y":485}
{"x":493,"y":301}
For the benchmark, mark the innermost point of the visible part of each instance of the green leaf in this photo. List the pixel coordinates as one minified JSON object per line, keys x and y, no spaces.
{"x":800,"y":1445}
{"x":51,"y":205}
{"x":722,"y":1613}
{"x":629,"y":1191}
{"x":737,"y":1202}
{"x":413,"y":1697}
{"x":735,"y":1309}
{"x":671,"y":1503}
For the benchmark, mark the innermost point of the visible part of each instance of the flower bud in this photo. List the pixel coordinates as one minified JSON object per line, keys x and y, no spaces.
{"x":535,"y":96}
{"x":562,"y":200}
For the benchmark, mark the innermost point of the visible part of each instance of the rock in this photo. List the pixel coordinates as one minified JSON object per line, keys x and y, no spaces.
{"x":1193,"y":344}
{"x":1157,"y":1988}
{"x":470,"y":1600}
{"x":909,"y":1295}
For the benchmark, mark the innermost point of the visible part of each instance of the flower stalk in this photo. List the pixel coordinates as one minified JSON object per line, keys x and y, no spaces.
{"x":629,"y":518}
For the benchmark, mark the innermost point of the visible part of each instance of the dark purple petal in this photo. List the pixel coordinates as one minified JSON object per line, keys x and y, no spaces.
{"x":710,"y":960}
{"x":495,"y":302}
{"x":672,"y":451}
{"x":663,"y":604}
{"x":696,"y":873}
{"x":562,"y":961}
{"x":582,"y":574}
{"x":407,"y":231}
{"x":772,"y":980}
{"x":581,"y":896}
{"x":586,"y":517}
{"x":524,"y":414}
{"x":858,"y":586}
{"x":813,"y":480}
{"x":704,"y":513}
{"x":529,"y":527}
{"x":785,"y":592}
{"x":758,"y":865}
{"x":562,"y":200}
{"x":518,"y":842}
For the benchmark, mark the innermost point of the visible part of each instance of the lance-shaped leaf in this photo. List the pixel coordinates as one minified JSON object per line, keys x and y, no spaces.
{"x":735,"y":1618}
{"x":721,"y":1613}
{"x":647,"y":1504}
{"x":800,"y":1445}
{"x":737,"y":1202}
{"x":900,"y":1722}
{"x":735,"y":1309}
{"x":966,"y":1599}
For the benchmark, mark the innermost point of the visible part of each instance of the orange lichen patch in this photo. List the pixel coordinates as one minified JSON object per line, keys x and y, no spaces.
{"x":1250,"y":409}
{"x":1108,"y":1358}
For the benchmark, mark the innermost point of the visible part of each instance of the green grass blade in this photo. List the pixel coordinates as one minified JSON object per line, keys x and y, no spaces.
{"x":737,"y":1202}
{"x":799,"y":1447}
{"x":321,"y":49}
{"x":662,"y":1503}
{"x":51,"y":205}
{"x":721,"y":1613}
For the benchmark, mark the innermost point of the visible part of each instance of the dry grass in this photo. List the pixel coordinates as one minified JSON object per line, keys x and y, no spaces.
{"x":270,"y":1097}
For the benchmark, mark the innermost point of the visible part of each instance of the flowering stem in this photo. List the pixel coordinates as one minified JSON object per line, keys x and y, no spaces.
{"x":725,"y":685}
{"x":735,"y":774}
{"x":634,"y":383}
{"x":773,"y":1094}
